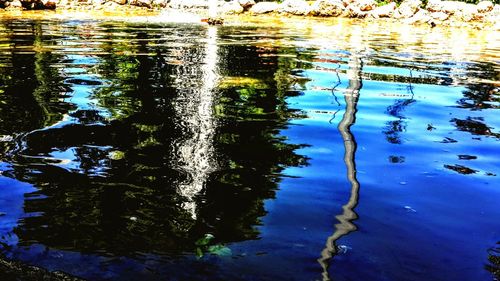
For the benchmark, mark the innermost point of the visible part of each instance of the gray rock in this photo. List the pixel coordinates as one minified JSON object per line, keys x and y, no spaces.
{"x":485,"y":6}
{"x":33,"y":5}
{"x":497,"y":26}
{"x":408,"y":8}
{"x":434,"y":6}
{"x":353,"y":11}
{"x":231,"y":8}
{"x":264,"y":7}
{"x":246,"y":4}
{"x":422,"y":16}
{"x":327,"y":8}
{"x":295,"y":7}
{"x":441,"y":16}
{"x":160,"y":3}
{"x":49,"y":4}
{"x":189,"y":4}
{"x":366,"y":5}
{"x":65,"y":4}
{"x":493,"y":16}
{"x":141,"y":3}
{"x":348,"y":2}
{"x":14,"y":5}
{"x":98,"y":2}
{"x":110,"y":5}
{"x":385,"y":11}
{"x":449,"y":7}
{"x":469,"y":12}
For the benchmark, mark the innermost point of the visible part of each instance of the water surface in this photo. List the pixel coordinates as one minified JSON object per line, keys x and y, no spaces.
{"x":312,"y":151}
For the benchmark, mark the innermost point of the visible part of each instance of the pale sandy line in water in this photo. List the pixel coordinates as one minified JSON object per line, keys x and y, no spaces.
{"x":459,"y":44}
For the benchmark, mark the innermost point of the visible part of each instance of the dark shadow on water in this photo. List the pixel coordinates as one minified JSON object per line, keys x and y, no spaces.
{"x":475,"y":126}
{"x":152,"y":167}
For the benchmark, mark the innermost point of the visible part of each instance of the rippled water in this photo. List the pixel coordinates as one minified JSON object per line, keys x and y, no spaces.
{"x":290,"y":151}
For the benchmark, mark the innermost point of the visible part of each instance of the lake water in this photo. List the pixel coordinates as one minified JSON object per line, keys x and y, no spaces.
{"x":316,"y":150}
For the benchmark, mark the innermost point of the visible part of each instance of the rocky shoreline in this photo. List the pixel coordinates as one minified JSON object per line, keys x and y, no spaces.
{"x":434,"y":12}
{"x":485,"y":14}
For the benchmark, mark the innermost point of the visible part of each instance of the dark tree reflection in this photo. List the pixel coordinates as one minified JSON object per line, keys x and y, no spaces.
{"x":479,"y":96}
{"x":394,"y":128}
{"x":474,"y":125}
{"x":30,"y":88}
{"x":161,"y":157}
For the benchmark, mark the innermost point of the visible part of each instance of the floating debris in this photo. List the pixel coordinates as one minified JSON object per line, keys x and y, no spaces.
{"x":466,"y":157}
{"x":396,"y":159}
{"x":461,"y":169}
{"x":448,"y":140}
{"x":410,"y":209}
{"x":133,"y":218}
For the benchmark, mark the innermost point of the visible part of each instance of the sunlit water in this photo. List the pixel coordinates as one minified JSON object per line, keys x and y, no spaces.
{"x":311,"y":151}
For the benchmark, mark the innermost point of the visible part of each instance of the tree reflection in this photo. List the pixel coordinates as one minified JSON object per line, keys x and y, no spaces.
{"x":345,"y":225}
{"x":161,"y":159}
{"x":479,"y":96}
{"x":30,"y":88}
{"x":474,"y":125}
{"x":394,"y":128}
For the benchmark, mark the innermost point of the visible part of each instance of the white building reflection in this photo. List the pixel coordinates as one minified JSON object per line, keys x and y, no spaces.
{"x":194,"y":153}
